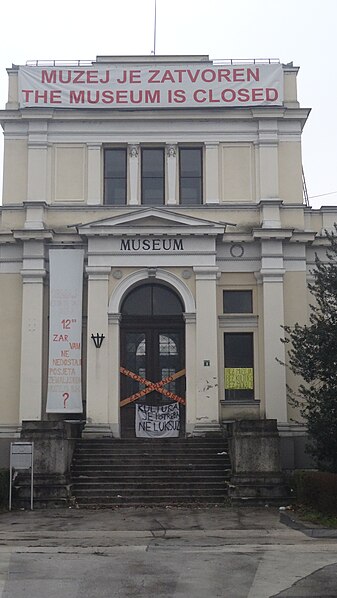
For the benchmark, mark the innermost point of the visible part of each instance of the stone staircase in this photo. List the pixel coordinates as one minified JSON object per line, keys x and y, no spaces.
{"x":138,"y":472}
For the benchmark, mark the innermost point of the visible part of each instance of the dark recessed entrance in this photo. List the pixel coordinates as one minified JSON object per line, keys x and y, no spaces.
{"x":152,"y":371}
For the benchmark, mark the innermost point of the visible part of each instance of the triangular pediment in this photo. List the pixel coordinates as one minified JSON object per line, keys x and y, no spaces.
{"x":146,"y":220}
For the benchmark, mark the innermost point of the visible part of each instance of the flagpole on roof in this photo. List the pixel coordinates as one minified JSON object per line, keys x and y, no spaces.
{"x":155,"y":27}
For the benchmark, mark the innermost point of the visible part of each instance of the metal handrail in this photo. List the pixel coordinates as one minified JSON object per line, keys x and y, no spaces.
{"x":216,"y":62}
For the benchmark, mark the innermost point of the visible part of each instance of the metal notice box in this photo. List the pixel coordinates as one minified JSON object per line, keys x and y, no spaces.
{"x":21,"y":459}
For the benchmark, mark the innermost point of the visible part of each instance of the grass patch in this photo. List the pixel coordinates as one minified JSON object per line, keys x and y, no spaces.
{"x":316,"y":517}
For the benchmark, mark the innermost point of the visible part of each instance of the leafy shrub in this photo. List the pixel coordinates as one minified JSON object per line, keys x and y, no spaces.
{"x":4,"y":487}
{"x":317,"y":490}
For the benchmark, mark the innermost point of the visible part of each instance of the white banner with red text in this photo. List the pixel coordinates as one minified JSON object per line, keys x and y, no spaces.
{"x":151,"y":86}
{"x":65,"y":331}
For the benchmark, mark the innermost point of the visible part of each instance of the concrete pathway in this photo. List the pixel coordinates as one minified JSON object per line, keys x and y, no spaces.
{"x":204,"y":553}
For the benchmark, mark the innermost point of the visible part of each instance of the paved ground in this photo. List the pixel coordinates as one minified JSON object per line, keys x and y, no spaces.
{"x":161,"y":553}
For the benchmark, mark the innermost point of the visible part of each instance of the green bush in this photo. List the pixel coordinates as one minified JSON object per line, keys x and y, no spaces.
{"x":317,"y":490}
{"x":4,"y":487}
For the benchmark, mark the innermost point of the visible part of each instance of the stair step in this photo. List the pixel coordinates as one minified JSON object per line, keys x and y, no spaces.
{"x":109,"y":472}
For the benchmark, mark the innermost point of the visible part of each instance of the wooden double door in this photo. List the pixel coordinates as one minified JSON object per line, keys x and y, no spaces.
{"x":152,"y":377}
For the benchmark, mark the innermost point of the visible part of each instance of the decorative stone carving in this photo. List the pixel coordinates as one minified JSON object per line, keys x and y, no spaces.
{"x":171,"y":151}
{"x":133,"y":151}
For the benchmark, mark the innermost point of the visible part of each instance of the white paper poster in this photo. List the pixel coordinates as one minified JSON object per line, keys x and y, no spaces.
{"x":65,"y":331}
{"x":157,"y":422}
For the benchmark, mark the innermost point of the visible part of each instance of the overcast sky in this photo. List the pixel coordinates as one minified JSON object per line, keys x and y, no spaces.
{"x":302,"y":31}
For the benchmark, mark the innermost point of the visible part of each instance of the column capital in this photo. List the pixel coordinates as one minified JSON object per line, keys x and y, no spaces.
{"x":114,"y":318}
{"x":98,"y":272}
{"x":133,"y":150}
{"x":33,"y":276}
{"x":189,"y":317}
{"x":206,"y":272}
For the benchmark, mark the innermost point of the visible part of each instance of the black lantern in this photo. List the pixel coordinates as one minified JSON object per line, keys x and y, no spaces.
{"x":98,"y":339}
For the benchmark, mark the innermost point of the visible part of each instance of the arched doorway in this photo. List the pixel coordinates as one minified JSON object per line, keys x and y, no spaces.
{"x":152,"y":373}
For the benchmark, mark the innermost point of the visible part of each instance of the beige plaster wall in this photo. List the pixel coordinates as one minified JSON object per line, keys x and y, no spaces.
{"x":69,"y":173}
{"x":290,"y":172}
{"x":290,"y":86}
{"x":15,"y":171}
{"x":10,"y":325}
{"x":237,"y":172}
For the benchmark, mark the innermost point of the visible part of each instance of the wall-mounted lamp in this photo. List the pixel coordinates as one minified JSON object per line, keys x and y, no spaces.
{"x":98,"y":339}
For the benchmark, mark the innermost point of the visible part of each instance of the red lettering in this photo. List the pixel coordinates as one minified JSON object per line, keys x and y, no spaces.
{"x":152,"y":77}
{"x":224,"y":74}
{"x":230,"y":93}
{"x":192,"y":77}
{"x":271,"y":94}
{"x":152,"y":98}
{"x":199,"y":96}
{"x":257,"y":94}
{"x":78,"y":77}
{"x":48,"y":77}
{"x":238,"y":74}
{"x":253,"y":74}
{"x":55,"y":97}
{"x":243,"y":95}
{"x":65,"y":78}
{"x":135,"y":77}
{"x":210,"y":78}
{"x":107,"y":96}
{"x":121,"y":96}
{"x":179,"y":96}
{"x":57,"y":338}
{"x":76,"y":97}
{"x":92,"y":76}
{"x":26,"y":94}
{"x":211,"y":98}
{"x":167,"y":76}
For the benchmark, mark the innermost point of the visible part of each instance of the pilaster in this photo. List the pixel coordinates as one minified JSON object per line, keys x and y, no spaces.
{"x":97,"y":359}
{"x":37,"y":161}
{"x":171,"y":161}
{"x":33,"y":274}
{"x":268,"y":159}
{"x":207,"y":390}
{"x":190,"y":365}
{"x":94,"y":173}
{"x":272,"y":275}
{"x":114,"y":381}
{"x":133,"y":156}
{"x":211,"y":173}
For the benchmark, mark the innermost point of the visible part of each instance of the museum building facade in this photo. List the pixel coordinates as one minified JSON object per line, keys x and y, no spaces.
{"x":154,"y":240}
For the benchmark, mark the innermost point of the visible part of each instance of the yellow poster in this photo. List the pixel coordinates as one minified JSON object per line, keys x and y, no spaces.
{"x":239,"y":378}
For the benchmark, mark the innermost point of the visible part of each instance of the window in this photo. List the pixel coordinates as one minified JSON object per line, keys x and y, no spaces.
{"x":115,"y":176}
{"x":190,"y":175}
{"x":153,"y":176}
{"x":239,"y":366}
{"x":237,"y":302}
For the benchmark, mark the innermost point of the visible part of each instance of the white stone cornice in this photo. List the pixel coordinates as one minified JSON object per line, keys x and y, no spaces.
{"x":33,"y":234}
{"x":238,"y":321}
{"x":272,"y":233}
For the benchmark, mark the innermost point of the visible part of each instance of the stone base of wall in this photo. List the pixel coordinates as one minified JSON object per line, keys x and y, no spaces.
{"x":54,"y":443}
{"x":254,"y":447}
